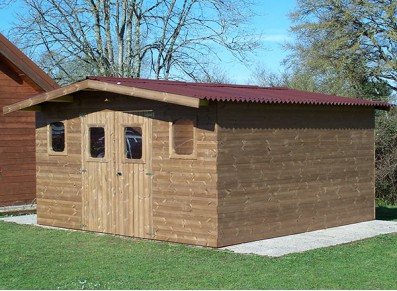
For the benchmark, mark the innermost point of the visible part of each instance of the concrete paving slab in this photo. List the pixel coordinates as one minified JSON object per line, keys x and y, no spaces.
{"x":30,"y":219}
{"x":280,"y":246}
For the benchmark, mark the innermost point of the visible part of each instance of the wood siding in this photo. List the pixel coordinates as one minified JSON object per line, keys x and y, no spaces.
{"x":17,"y":145}
{"x":184,"y":189}
{"x":257,"y":171}
{"x":59,"y":182}
{"x":184,"y":195}
{"x":285,"y":169}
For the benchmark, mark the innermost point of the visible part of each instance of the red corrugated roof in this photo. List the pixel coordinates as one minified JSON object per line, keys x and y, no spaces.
{"x":241,"y":93}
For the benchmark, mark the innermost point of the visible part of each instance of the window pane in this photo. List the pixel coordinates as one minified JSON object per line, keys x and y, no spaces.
{"x":183,"y":137}
{"x":57,"y":136}
{"x":133,"y":143}
{"x":97,"y":142}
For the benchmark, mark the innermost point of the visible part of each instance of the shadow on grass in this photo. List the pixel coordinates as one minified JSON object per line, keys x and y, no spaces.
{"x":386,"y":213}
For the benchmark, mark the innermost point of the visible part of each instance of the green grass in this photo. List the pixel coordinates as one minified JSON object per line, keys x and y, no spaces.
{"x":38,"y":258}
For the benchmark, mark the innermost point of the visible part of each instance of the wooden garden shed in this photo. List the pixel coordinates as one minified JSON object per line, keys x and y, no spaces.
{"x":20,"y":78}
{"x":205,"y":164}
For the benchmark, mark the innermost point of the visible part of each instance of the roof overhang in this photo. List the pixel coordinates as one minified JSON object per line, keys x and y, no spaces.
{"x":20,"y":61}
{"x":64,"y":95}
{"x":188,"y":94}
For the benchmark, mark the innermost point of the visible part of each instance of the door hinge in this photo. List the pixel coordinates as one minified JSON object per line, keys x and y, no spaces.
{"x":83,"y":225}
{"x":149,"y":174}
{"x":83,"y":114}
{"x":83,"y":171}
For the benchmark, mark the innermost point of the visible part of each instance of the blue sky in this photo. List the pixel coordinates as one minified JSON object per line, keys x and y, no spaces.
{"x":273,"y":22}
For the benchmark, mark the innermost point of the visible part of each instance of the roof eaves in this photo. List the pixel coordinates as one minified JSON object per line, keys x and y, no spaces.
{"x":26,"y":65}
{"x":44,"y":97}
{"x":105,"y":87}
{"x":366,"y":103}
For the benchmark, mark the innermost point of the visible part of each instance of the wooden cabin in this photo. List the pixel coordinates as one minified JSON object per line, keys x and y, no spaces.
{"x":20,"y":78}
{"x":204,"y":164}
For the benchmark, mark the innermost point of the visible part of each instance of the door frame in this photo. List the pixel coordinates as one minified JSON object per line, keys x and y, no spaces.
{"x":116,"y":161}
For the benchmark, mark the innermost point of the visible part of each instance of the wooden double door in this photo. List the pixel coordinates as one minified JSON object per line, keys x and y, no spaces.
{"x":116,"y":170}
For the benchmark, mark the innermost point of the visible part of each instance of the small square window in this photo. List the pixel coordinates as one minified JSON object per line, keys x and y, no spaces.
{"x":97,"y":142}
{"x":57,"y":137}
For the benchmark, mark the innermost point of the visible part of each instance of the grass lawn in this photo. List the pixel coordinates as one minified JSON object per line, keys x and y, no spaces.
{"x":37,"y":258}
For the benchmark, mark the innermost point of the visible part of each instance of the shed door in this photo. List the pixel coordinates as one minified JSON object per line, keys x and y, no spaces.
{"x":116,"y":173}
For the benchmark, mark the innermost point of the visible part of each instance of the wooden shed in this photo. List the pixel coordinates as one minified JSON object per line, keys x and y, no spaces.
{"x":20,"y":78}
{"x":205,"y":164}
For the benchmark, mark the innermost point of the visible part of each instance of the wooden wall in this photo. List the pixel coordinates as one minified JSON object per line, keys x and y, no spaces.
{"x":258,"y":171}
{"x":285,"y":169}
{"x":184,"y":195}
{"x":59,"y":181}
{"x":17,"y":148}
{"x":184,"y":190}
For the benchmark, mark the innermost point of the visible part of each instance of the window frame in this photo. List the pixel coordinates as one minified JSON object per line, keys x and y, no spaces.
{"x":50,"y":150}
{"x":172,"y":153}
{"x":143,"y":157}
{"x":88,"y":143}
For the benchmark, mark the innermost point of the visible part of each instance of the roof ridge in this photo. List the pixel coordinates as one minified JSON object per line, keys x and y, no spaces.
{"x":186,"y":83}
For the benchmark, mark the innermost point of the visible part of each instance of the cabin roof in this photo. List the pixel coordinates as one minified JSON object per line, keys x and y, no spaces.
{"x":194,"y":94}
{"x":27,"y":68}
{"x":241,"y":93}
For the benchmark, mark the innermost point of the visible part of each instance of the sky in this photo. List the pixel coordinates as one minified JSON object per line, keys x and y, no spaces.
{"x":272,"y":21}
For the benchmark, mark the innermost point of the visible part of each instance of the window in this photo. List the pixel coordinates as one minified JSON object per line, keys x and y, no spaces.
{"x":97,"y":142}
{"x":183,"y":137}
{"x":133,"y":143}
{"x":57,"y":137}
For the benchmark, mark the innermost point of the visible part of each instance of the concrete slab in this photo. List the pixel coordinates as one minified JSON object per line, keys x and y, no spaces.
{"x":30,"y":219}
{"x":280,"y":246}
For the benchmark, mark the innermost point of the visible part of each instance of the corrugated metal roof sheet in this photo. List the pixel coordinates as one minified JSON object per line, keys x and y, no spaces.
{"x":241,"y":93}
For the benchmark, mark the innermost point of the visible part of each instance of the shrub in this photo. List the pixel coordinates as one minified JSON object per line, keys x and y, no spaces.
{"x":386,"y":157}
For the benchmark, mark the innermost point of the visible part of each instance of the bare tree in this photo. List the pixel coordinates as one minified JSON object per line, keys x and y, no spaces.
{"x":126,"y":38}
{"x":267,"y":78}
{"x":213,"y":74}
{"x":5,"y":3}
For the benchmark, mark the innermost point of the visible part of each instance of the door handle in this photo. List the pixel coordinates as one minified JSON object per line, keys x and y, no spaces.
{"x":119,"y":173}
